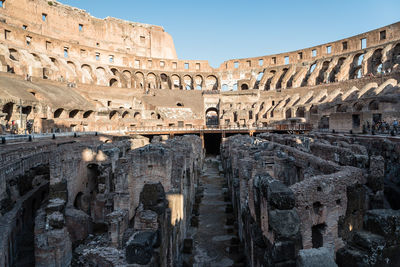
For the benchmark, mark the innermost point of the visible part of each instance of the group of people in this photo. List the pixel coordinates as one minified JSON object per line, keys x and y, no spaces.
{"x":382,"y":127}
{"x":12,"y":127}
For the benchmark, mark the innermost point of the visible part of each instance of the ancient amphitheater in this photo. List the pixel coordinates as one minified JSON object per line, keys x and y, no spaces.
{"x":114,"y":152}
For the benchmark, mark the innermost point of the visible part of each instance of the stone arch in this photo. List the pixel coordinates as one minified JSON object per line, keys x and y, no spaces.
{"x":373,"y":105}
{"x":14,"y":54}
{"x":258,"y":80}
{"x":114,"y":115}
{"x":336,"y":70}
{"x":309,"y":72}
{"x":127,"y":76}
{"x":288,"y":113}
{"x":396,"y":54}
{"x":126,"y":115}
{"x":244,"y":86}
{"x":176,"y":82}
{"x":212,"y":116}
{"x":358,"y":106}
{"x":8,"y":109}
{"x":225,"y":88}
{"x":137,"y":116}
{"x":140,"y":80}
{"x":88,"y":114}
{"x":375,"y":62}
{"x":356,"y":69}
{"x":321,"y":78}
{"x":73,"y":113}
{"x":113,"y":83}
{"x":188,"y":81}
{"x":114,"y":71}
{"x":199,"y":82}
{"x":87,"y":75}
{"x":269,"y":80}
{"x":314,"y":110}
{"x":279,"y":83}
{"x":300,"y":112}
{"x":341,"y":108}
{"x":211,"y":83}
{"x":58,"y":113}
{"x":165,"y":82}
{"x":151,"y":81}
{"x":101,"y":76}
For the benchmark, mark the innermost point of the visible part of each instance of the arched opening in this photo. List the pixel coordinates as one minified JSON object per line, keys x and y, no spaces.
{"x":269,"y":80}
{"x":113,"y":115}
{"x":336,"y":70}
{"x":179,"y":104}
{"x":300,"y":112}
{"x":113,"y":83}
{"x":8,"y":109}
{"x":127,"y":76}
{"x":258,"y":80}
{"x":212,"y":117}
{"x":341,"y":108}
{"x":126,"y":115}
{"x":310,"y":71}
{"x":86,"y":74}
{"x":279,"y":83}
{"x":139,"y":80}
{"x":114,"y":71}
{"x":322,"y":76}
{"x":356,"y":70}
{"x":212,"y":83}
{"x":58,"y":113}
{"x":151,"y":81}
{"x":137,"y":116}
{"x":314,"y":110}
{"x":73,"y":113}
{"x":358,"y":106}
{"x":199,"y":82}
{"x":373,"y":105}
{"x":78,"y":201}
{"x":288,"y":113}
{"x":88,"y":114}
{"x":396,"y":54}
{"x":101,"y":76}
{"x":14,"y":54}
{"x":176,"y":81}
{"x":235,"y":87}
{"x":188,"y":82}
{"x":244,"y":87}
{"x":376,"y":62}
{"x":225,"y":88}
{"x":165,"y":83}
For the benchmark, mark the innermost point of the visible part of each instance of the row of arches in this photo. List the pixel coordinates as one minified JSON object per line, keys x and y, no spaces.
{"x":372,"y":61}
{"x":369,"y":62}
{"x":61,"y":113}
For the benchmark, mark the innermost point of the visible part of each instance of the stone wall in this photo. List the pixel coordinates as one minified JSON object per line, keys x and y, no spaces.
{"x":323,"y":190}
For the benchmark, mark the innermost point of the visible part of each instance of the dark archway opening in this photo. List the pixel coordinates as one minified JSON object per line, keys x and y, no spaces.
{"x":212,"y":117}
{"x":318,"y":235}
{"x":212,"y":143}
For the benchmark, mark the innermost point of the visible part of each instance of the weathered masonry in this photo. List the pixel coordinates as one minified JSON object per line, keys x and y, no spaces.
{"x":119,"y":75}
{"x":122,"y":178}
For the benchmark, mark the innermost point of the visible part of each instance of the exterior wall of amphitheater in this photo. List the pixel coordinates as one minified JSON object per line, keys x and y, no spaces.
{"x":65,"y":70}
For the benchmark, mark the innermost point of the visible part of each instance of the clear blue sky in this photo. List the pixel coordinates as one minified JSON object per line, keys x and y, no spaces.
{"x":217,"y":30}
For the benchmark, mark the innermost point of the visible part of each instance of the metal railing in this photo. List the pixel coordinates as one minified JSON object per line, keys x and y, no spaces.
{"x":159,"y":129}
{"x":219,"y":128}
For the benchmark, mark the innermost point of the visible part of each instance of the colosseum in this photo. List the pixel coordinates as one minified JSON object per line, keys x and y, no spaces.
{"x":114,"y":152}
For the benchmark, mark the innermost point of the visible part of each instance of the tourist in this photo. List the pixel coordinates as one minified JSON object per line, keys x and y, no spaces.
{"x":395,"y":126}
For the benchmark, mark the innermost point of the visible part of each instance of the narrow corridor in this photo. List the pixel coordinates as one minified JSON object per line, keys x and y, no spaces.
{"x":215,"y":242}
